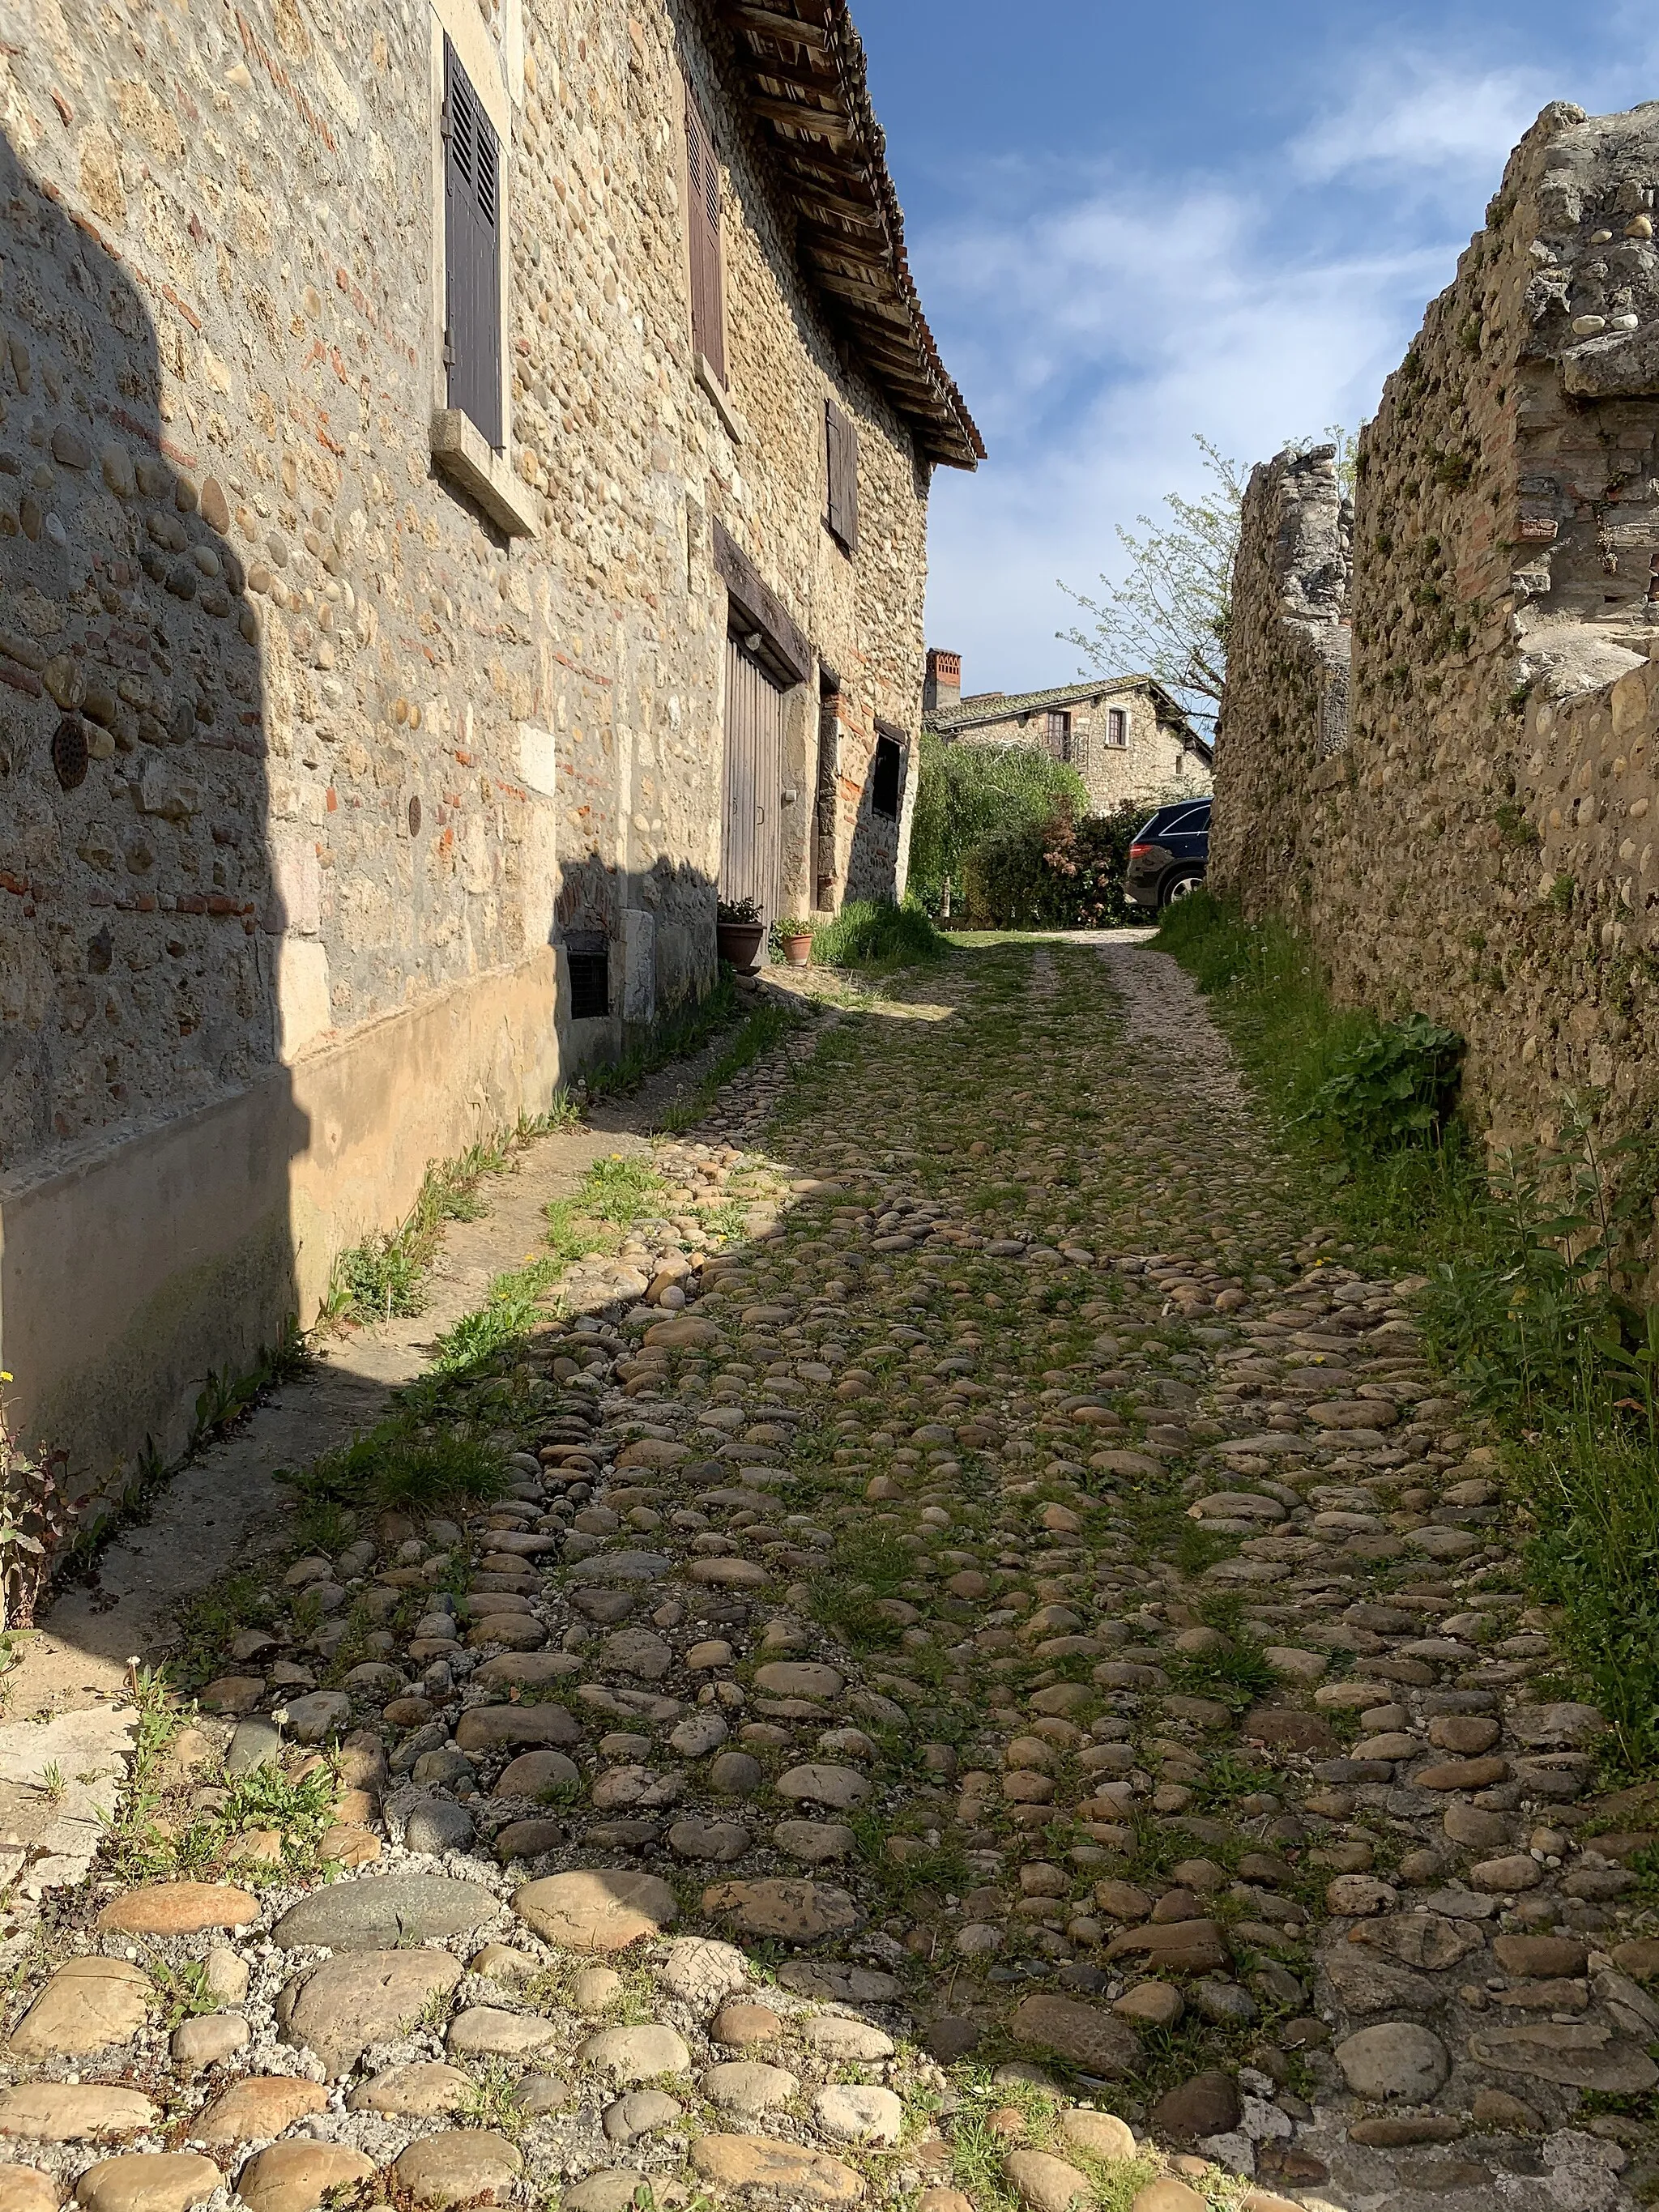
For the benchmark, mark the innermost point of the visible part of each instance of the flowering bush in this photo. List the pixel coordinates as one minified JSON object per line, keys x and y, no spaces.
{"x":1063,"y":873}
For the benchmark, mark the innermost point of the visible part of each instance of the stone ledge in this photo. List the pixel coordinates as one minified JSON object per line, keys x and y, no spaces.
{"x":735,"y":428}
{"x":460,"y":452}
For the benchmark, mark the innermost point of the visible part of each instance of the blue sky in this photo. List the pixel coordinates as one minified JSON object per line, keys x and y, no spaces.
{"x":1132,"y":224}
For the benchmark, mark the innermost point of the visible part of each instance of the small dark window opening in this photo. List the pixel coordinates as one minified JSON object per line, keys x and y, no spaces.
{"x":1060,"y":735}
{"x":589,"y":954}
{"x":472,"y":302}
{"x":1117,"y":726}
{"x":885,"y":781}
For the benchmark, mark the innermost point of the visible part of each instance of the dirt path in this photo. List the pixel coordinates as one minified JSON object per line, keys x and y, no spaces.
{"x":1019,"y":1691}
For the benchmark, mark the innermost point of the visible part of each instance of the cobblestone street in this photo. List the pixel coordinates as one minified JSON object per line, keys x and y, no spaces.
{"x":1004,"y":1680}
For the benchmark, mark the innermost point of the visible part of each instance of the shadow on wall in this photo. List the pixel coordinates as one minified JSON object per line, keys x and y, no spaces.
{"x":149,"y":942}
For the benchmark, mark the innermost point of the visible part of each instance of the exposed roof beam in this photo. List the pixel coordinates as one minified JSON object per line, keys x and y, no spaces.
{"x":767,"y":21}
{"x":799,"y":116}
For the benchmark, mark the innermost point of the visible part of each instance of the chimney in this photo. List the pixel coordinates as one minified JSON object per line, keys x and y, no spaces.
{"x":943,"y":687}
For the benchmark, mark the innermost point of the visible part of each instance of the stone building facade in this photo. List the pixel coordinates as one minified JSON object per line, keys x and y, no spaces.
{"x":1126,"y":736}
{"x":410,"y":422}
{"x":1478,"y":846}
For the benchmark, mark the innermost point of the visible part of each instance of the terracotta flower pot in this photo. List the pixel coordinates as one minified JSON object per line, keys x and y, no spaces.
{"x":797,"y":951}
{"x":739,"y":942}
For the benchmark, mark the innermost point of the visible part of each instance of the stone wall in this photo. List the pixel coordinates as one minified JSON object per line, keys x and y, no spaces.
{"x":306,"y":753}
{"x":1287,"y":697}
{"x":1477,"y":847}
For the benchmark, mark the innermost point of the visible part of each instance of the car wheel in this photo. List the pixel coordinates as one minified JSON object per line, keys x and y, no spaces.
{"x":1179,"y":887}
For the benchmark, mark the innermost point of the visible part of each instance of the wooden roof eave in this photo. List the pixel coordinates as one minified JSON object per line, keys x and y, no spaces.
{"x":831,"y":160}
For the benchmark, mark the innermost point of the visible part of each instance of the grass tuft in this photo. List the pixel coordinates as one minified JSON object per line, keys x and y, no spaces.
{"x":876,"y":934}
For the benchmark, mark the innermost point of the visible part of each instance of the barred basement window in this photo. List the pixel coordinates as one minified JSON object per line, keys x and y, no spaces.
{"x":587,"y":954}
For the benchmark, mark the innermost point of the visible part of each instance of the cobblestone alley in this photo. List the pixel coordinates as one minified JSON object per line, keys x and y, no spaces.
{"x":1012,"y":1687}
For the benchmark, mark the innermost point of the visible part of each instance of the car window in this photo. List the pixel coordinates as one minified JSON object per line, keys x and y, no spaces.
{"x":1180,"y":822}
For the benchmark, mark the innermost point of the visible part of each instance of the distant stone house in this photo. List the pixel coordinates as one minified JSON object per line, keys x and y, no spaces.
{"x":463,"y":477}
{"x":1125,"y":736}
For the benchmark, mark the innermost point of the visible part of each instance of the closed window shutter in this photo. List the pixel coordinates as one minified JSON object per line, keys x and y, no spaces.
{"x":472,"y":212}
{"x":702,"y":178}
{"x":841,"y":440}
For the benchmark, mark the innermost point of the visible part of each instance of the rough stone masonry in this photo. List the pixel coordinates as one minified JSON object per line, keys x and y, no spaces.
{"x":326,"y":729}
{"x":1471,"y":838}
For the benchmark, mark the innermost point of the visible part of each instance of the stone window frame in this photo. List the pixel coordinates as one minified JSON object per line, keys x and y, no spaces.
{"x":459,"y":451}
{"x":1118,"y":718}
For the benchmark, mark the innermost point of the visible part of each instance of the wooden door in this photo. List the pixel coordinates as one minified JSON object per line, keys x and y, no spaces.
{"x":750,"y":855}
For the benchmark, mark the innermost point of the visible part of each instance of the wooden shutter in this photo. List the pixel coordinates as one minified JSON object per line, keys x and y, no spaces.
{"x":472,"y":288}
{"x":841,"y":440}
{"x":702,"y":178}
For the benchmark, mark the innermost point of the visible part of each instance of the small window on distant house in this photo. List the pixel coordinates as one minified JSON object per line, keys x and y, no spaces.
{"x":840,"y":441}
{"x":1117,"y":726}
{"x":472,"y":280}
{"x":702,"y":178}
{"x":1060,"y":735}
{"x":886,"y":779}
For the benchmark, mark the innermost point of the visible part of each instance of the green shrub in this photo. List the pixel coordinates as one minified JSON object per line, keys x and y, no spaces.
{"x":875,"y":933}
{"x":1065,"y":871}
{"x":1392,"y":1087}
{"x":969,"y":793}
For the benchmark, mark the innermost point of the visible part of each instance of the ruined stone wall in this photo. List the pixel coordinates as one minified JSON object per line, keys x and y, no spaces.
{"x":1287,"y":695}
{"x":1476,"y":848}
{"x":302,"y":750}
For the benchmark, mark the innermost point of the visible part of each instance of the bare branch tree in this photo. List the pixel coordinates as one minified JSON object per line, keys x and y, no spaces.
{"x":1168,"y":615}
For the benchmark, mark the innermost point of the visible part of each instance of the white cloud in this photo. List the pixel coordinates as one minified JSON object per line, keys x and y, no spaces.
{"x":1423,"y":124}
{"x":1094,"y":336}
{"x":1095,"y":319}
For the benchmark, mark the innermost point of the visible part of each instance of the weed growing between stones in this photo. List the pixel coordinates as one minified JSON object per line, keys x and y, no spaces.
{"x":767,"y":1026}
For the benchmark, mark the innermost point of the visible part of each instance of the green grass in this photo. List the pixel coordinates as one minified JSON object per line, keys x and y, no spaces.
{"x":1533,"y":1304}
{"x":874,"y":933}
{"x":383,"y":1276}
{"x":768,"y":1025}
{"x":1236,"y":1678}
{"x":684,"y":1031}
{"x":389,"y":1469}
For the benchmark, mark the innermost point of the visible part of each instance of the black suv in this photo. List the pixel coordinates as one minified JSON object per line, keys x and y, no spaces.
{"x":1170,"y":855}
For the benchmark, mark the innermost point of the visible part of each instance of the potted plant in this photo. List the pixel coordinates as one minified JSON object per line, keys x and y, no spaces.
{"x":738,"y":930}
{"x":794,"y":938}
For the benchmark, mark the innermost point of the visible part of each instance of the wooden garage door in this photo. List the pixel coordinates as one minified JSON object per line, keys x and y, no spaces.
{"x":753,"y":796}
